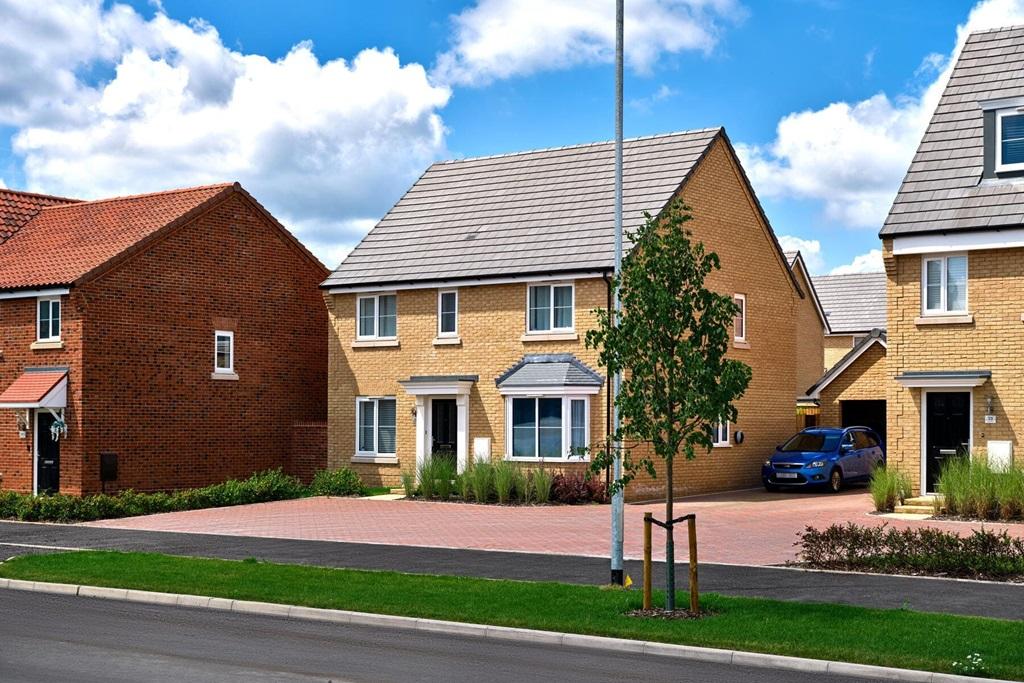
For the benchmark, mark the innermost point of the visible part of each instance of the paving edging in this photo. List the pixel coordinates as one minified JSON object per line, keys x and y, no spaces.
{"x":574,"y":640}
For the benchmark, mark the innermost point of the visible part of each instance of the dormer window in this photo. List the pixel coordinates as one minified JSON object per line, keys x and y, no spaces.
{"x":1009,"y":140}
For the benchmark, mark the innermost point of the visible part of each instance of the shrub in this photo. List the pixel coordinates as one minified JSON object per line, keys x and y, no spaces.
{"x":521,"y":489}
{"x":409,"y":483}
{"x":463,"y":485}
{"x":574,"y":488}
{"x":983,"y":554}
{"x":954,"y":485}
{"x":504,"y":480}
{"x":1010,"y":493}
{"x":444,"y":473}
{"x":541,"y":484}
{"x":427,"y":478}
{"x":341,"y":482}
{"x":888,"y":488}
{"x":482,"y":481}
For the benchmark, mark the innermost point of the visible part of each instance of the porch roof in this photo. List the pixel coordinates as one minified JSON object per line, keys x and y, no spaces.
{"x":37,"y":388}
{"x":944,"y":378}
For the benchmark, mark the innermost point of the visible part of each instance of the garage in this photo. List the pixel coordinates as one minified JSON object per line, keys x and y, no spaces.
{"x":864,"y":413}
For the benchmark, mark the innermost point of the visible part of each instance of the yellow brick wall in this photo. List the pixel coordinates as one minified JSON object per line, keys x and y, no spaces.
{"x":492,"y":322}
{"x":864,"y":380}
{"x":810,"y":337}
{"x":836,"y":346}
{"x":995,"y":295}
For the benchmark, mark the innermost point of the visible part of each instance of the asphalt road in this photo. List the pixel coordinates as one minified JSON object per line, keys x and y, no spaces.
{"x":47,"y":638}
{"x":1004,"y":601}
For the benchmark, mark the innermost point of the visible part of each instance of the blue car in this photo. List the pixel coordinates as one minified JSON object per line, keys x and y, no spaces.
{"x":824,"y":456}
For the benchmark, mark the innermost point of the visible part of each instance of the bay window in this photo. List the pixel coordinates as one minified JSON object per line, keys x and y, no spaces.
{"x":548,"y":427}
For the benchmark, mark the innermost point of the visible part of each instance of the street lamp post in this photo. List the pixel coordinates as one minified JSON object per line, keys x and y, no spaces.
{"x":618,"y":500}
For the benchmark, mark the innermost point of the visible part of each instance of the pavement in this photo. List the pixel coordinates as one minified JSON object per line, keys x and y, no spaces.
{"x":63,"y":638}
{"x":741,"y":527}
{"x":996,"y":600}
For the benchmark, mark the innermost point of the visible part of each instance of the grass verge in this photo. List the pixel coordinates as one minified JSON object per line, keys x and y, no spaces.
{"x":897,"y":637}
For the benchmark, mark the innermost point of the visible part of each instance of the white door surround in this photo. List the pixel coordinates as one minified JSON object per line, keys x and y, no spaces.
{"x":423,"y":389}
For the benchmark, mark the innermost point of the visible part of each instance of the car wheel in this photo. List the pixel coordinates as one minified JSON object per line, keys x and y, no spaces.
{"x":835,"y":481}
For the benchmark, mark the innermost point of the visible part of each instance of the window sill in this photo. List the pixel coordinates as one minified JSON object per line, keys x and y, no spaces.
{"x":44,"y":345}
{"x":721,"y":445}
{"x":373,"y":343}
{"x":557,"y":461}
{"x":965,"y":319}
{"x":736,"y":344}
{"x":549,"y":336}
{"x":448,"y":341}
{"x":231,"y":376}
{"x":375,"y":459}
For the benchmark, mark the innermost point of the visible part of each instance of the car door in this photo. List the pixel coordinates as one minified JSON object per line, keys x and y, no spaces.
{"x":849,"y":456}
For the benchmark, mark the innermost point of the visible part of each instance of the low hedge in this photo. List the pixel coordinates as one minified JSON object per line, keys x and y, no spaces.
{"x":983,"y":554}
{"x":261,"y":487}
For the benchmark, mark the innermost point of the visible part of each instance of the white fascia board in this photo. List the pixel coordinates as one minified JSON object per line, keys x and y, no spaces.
{"x":938,"y":243}
{"x":454,"y":388}
{"x":450,"y":284}
{"x":34,"y":293}
{"x":941,"y":382}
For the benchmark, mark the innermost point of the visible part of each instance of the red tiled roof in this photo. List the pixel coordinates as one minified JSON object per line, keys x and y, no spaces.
{"x":63,"y":243}
{"x":18,"y":208}
{"x":31,"y":387}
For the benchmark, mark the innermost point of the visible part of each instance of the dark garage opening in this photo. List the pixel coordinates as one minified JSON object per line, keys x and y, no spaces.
{"x":864,"y":414}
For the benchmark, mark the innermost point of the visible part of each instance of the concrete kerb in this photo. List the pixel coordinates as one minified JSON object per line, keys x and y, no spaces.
{"x":551,"y":638}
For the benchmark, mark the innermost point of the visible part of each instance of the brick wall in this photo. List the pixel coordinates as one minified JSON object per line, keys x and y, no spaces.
{"x":836,"y":346}
{"x":17,"y":333}
{"x":991,"y":342}
{"x":810,"y":337}
{"x":864,"y":380}
{"x":148,"y":354}
{"x":308,"y":452}
{"x":492,"y":322}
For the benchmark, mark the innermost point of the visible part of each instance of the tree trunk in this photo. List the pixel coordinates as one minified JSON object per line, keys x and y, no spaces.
{"x":670,"y":544}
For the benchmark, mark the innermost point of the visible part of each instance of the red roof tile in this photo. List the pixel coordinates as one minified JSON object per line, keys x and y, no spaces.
{"x":18,"y":208}
{"x":63,"y":243}
{"x":31,"y":387}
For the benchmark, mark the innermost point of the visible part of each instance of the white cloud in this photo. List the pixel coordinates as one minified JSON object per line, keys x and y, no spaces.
{"x":810,"y":250}
{"x":870,"y":262}
{"x":497,"y":39}
{"x":852,"y":156}
{"x":645,"y":104}
{"x":325,"y":146}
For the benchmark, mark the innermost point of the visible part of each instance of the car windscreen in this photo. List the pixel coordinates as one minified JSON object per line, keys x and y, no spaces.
{"x":818,"y":442}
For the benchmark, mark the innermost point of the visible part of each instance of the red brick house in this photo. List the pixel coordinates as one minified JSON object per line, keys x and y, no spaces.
{"x":177,"y":337}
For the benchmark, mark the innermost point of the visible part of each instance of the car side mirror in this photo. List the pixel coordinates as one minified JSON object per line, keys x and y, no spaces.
{"x":843,"y":448}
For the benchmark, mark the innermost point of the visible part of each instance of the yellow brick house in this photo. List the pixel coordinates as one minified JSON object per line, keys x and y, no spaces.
{"x":953,"y":245}
{"x":457,"y":324}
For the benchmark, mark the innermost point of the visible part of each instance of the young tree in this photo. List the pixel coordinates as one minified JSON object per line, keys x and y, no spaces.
{"x":669,"y":343}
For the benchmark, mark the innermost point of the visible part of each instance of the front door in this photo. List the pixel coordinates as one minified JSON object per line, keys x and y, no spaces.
{"x":47,"y":456}
{"x":443,"y":427}
{"x":948,"y":431}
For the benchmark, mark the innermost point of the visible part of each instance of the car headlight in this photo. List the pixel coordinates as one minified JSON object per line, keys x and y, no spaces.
{"x":767,"y":463}
{"x":815,"y":464}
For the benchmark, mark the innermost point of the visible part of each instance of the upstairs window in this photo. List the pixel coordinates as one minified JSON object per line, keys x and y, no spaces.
{"x":740,"y":321}
{"x":48,"y":327}
{"x":377,"y":317}
{"x":550,"y":308}
{"x":1009,"y":140}
{"x":223,"y":352}
{"x":944,"y":285}
{"x":448,"y":313}
{"x":720,"y":434}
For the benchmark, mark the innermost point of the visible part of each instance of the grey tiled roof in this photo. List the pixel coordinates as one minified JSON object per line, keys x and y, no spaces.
{"x":943,"y":189}
{"x":852,"y":303}
{"x":535,"y":212}
{"x":549,"y":370}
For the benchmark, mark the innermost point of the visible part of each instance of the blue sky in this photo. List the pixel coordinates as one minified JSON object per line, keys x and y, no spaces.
{"x":139,"y":99}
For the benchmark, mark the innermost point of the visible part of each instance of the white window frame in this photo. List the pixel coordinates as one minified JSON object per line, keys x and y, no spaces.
{"x":60,"y":318}
{"x":217,"y":334}
{"x":1000,"y":166}
{"x":742,"y":316}
{"x":440,"y":297}
{"x":717,"y":442}
{"x":551,"y":307}
{"x":943,"y":303}
{"x":567,"y":400}
{"x":375,"y":400}
{"x":376,"y":315}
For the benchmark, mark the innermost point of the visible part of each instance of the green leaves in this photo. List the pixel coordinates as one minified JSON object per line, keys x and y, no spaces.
{"x":670,"y":345}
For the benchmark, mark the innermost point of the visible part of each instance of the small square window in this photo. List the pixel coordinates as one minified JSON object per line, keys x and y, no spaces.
{"x":48,"y":318}
{"x":376,"y":317}
{"x":223,"y":352}
{"x":550,"y":308}
{"x":944,"y":284}
{"x":1009,"y":140}
{"x":720,"y":434}
{"x":376,"y":423}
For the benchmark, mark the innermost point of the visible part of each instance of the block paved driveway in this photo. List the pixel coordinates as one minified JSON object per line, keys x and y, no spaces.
{"x":746,"y":527}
